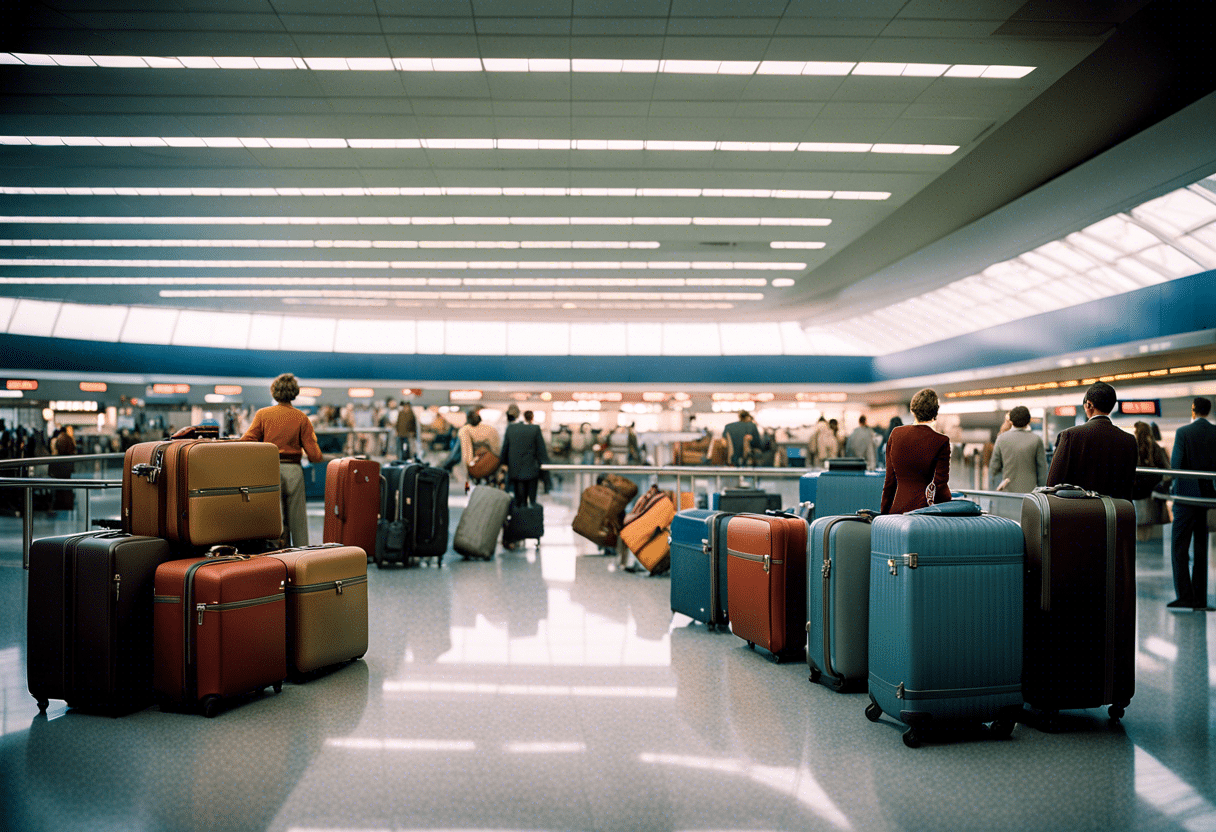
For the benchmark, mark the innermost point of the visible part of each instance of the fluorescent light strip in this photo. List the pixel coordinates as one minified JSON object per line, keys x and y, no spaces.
{"x":550,"y":65}
{"x":56,"y":219}
{"x":329,"y":244}
{"x":387,"y":281}
{"x":485,"y":296}
{"x":562,"y":265}
{"x":732,"y":193}
{"x":490,"y":689}
{"x":779,"y":244}
{"x":477,"y":144}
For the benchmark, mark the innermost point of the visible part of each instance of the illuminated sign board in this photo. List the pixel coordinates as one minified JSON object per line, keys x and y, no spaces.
{"x":93,"y":387}
{"x":228,"y":389}
{"x":170,"y":389}
{"x":313,"y":392}
{"x":360,"y":392}
{"x":464,"y":396}
{"x":1066,"y":410}
{"x":1143,"y":407}
{"x":21,"y":384}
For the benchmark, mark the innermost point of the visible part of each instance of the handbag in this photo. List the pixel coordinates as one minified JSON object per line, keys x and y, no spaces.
{"x":484,"y":461}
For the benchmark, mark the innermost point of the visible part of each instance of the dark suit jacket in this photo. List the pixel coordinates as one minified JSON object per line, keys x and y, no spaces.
{"x":523,"y":451}
{"x":917,"y":457}
{"x":1195,"y":449}
{"x":1096,"y":456}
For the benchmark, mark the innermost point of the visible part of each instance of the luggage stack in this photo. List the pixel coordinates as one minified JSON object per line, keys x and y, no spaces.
{"x":121,"y":618}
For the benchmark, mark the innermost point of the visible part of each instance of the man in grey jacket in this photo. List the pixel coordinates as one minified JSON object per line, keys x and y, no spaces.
{"x":1019,"y":461}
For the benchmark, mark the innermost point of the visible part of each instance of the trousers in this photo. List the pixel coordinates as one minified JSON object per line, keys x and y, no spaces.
{"x":295,"y":507}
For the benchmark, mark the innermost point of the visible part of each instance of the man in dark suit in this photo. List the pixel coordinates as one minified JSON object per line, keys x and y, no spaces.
{"x":1194,"y":450}
{"x":523,"y":452}
{"x":1096,"y":456}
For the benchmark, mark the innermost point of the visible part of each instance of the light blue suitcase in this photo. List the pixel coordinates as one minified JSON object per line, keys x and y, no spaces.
{"x":838,"y":600}
{"x":698,"y":566}
{"x":841,"y":492}
{"x":945,"y":646}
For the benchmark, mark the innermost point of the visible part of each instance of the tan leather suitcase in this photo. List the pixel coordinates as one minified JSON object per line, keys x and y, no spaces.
{"x":766,"y":581}
{"x":645,"y":530}
{"x":200,"y":492}
{"x":326,"y":605}
{"x":599,"y":515}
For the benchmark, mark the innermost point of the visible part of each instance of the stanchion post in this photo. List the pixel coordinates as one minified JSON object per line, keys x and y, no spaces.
{"x":27,"y":527}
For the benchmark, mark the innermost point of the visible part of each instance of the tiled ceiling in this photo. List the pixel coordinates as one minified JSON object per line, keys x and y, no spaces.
{"x":891,"y":162}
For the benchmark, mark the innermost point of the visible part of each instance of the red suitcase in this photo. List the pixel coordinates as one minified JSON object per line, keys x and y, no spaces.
{"x":352,"y":503}
{"x":766,"y":581}
{"x":219,"y":627}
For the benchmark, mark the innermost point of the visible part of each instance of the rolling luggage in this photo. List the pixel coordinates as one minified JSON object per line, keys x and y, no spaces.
{"x":1079,"y":647}
{"x":524,"y":523}
{"x":326,"y":605}
{"x":945,"y":645}
{"x":601,"y":508}
{"x":745,"y":501}
{"x":645,"y":530}
{"x":89,"y":619}
{"x":698,"y":566}
{"x":414,"y":516}
{"x":766,"y":581}
{"x":842,"y":490}
{"x":352,"y":503}
{"x":481,"y":521}
{"x":314,"y":480}
{"x":838,"y":600}
{"x":200,"y":492}
{"x":219,"y":627}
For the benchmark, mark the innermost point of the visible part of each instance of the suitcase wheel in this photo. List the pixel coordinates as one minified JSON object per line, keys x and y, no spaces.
{"x":911,"y":739}
{"x":815,"y":674}
{"x":1002,"y":729}
{"x":1116,"y":711}
{"x":873,"y":712}
{"x":278,"y":687}
{"x":42,"y":705}
{"x":776,"y":658}
{"x":210,"y":706}
{"x":711,"y":627}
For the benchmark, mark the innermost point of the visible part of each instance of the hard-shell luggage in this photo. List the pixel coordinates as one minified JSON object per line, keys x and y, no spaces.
{"x":766,"y":581}
{"x":352,"y":503}
{"x":314,"y":480}
{"x":219,"y":629}
{"x":481,"y":521}
{"x":326,"y":605}
{"x":838,"y":600}
{"x":414,"y":516}
{"x":524,"y":523}
{"x":645,"y":530}
{"x":89,"y":619}
{"x":200,"y":492}
{"x":745,"y":501}
{"x":945,"y":646}
{"x":835,"y":492}
{"x":1079,"y":647}
{"x":698,"y":566}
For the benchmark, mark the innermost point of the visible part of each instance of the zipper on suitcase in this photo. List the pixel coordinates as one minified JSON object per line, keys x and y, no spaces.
{"x":237,"y":605}
{"x":324,"y":586}
{"x":244,"y":490}
{"x":767,"y":559}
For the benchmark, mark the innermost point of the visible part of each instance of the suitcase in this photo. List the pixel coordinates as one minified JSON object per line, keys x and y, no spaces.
{"x":326,"y":605}
{"x":89,"y":619}
{"x":645,"y":530}
{"x":945,"y":645}
{"x":838,"y":600}
{"x":1079,"y":648}
{"x":627,"y":488}
{"x":352,"y":503}
{"x":598,"y":519}
{"x":414,"y":516}
{"x":698,"y":567}
{"x":314,"y":480}
{"x":524,"y":523}
{"x":745,"y":501}
{"x":481,"y":521}
{"x":200,"y":492}
{"x":219,"y":629}
{"x":766,"y":581}
{"x":835,"y":492}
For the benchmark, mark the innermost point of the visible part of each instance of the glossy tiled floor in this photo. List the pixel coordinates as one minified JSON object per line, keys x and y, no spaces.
{"x":546,"y":691}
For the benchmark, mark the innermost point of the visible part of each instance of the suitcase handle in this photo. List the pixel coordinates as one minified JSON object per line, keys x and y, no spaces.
{"x":222,"y":550}
{"x":1064,"y":490}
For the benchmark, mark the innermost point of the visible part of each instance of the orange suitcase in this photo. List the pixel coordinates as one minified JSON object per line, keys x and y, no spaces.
{"x":766,"y":581}
{"x":219,"y":628}
{"x":645,"y":530}
{"x":200,"y":492}
{"x":352,"y":503}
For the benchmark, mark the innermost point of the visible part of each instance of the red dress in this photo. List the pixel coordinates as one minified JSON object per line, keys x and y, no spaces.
{"x":918,"y":469}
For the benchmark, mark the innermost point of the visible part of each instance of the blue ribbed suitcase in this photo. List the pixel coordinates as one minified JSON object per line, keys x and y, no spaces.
{"x":698,"y":566}
{"x":841,"y":492}
{"x":945,"y":642}
{"x":838,"y":600}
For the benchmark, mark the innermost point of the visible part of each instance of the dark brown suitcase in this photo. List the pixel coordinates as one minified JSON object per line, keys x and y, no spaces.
{"x":599,"y":515}
{"x":352,"y":503}
{"x":219,"y":629}
{"x":1079,"y":600}
{"x":89,"y":621}
{"x":766,"y":581}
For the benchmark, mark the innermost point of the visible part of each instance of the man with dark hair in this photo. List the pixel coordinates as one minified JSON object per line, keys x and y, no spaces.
{"x":1096,"y":456}
{"x":1019,"y":461}
{"x":861,"y":444}
{"x":741,"y":437}
{"x":1194,"y":450}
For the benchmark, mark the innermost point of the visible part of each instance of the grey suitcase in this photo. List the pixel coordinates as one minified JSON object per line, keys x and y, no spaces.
{"x":481,"y":521}
{"x":838,"y":600}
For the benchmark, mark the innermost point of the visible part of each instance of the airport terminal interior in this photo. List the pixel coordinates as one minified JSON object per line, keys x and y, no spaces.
{"x":635,"y":219}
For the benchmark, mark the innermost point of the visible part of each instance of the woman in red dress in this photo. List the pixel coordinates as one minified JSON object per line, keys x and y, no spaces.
{"x":918,"y":460}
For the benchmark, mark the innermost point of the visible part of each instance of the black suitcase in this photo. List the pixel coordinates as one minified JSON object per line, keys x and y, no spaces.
{"x":414,"y":517}
{"x":524,"y":523}
{"x":89,"y":623}
{"x":747,"y":501}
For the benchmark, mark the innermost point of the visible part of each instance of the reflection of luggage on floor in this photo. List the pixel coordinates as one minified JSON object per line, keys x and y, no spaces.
{"x":219,"y":629}
{"x":201,"y":492}
{"x":481,"y":521}
{"x":945,"y":643}
{"x":1079,"y":601}
{"x":601,"y":507}
{"x":645,"y":529}
{"x":524,"y":523}
{"x":698,"y":566}
{"x":837,"y":600}
{"x":352,"y":503}
{"x":414,"y":517}
{"x":89,"y":627}
{"x":766,"y":581}
{"x":326,"y":605}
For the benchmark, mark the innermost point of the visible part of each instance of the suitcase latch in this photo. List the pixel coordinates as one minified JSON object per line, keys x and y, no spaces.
{"x":910,"y":560}
{"x":827,"y":568}
{"x":147,"y":470}
{"x":704,"y":546}
{"x":245,"y":493}
{"x":899,"y":691}
{"x":202,"y":608}
{"x":768,"y":562}
{"x":338,"y":586}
